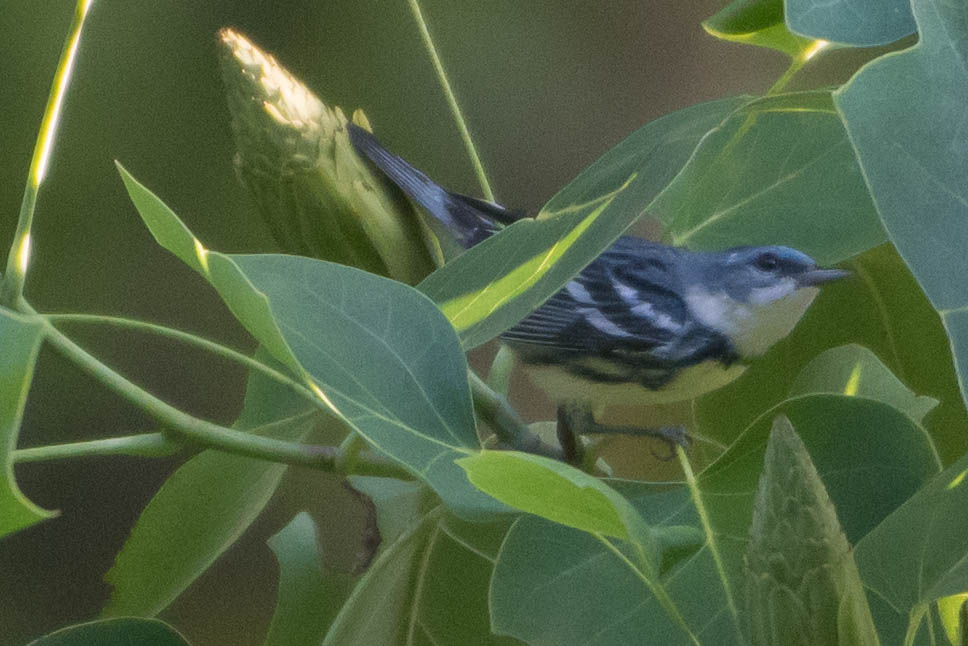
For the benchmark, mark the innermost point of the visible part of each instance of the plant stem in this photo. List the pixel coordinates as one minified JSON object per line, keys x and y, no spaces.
{"x":194,"y":430}
{"x":507,"y":424}
{"x":19,"y":255}
{"x":710,"y":537}
{"x":451,"y":100}
{"x":188,"y":337}
{"x":147,"y":445}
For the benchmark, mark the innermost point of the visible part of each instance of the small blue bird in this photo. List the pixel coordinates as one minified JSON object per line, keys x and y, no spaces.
{"x":644,"y":323}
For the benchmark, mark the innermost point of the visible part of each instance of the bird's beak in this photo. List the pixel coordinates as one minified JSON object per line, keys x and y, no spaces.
{"x":819,"y":276}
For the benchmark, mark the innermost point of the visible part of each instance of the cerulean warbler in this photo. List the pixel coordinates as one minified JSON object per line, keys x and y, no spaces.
{"x":644,"y":323}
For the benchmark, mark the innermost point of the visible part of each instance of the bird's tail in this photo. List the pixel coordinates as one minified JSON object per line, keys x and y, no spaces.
{"x":469,"y":219}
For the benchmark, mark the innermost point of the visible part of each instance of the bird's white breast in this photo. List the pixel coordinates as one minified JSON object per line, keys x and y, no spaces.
{"x":752,"y":327}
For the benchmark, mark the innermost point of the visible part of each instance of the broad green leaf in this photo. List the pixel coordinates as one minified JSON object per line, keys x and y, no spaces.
{"x":491,"y":287}
{"x":124,"y":631}
{"x":905,"y":115}
{"x":203,"y":508}
{"x":558,"y":492}
{"x":919,"y":553}
{"x":376,"y":352}
{"x":780,"y":170}
{"x":555,"y":585}
{"x":309,"y":594}
{"x":855,"y":371}
{"x":20,"y":339}
{"x":397,"y":503}
{"x":862,"y":23}
{"x":756,"y":22}
{"x":882,"y":308}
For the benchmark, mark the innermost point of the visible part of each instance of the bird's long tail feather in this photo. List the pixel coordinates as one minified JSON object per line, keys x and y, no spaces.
{"x":469,"y":219}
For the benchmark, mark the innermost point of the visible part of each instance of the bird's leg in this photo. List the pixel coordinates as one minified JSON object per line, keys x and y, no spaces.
{"x":582,"y":422}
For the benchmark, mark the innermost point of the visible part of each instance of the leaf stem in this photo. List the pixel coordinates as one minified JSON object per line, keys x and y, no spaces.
{"x":504,"y":420}
{"x":710,"y":537}
{"x":147,"y":445}
{"x":192,"y":339}
{"x":915,"y":617}
{"x":451,"y":100}
{"x":18,"y":257}
{"x":194,"y":430}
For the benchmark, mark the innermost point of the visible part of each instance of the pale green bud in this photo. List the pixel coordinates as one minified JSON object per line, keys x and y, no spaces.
{"x":802,"y":584}
{"x":316,"y":195}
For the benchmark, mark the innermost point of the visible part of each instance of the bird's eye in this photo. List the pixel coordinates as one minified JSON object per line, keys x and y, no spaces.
{"x":767,"y":262}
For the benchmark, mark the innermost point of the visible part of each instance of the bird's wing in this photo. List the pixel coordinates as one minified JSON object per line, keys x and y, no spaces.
{"x":624,"y":303}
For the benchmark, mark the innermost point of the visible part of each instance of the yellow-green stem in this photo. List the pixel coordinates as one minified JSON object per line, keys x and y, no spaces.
{"x":18,"y":257}
{"x":451,"y":100}
{"x":710,"y":537}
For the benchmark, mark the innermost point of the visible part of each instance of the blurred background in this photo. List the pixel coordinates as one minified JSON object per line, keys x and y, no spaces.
{"x":546,"y":88}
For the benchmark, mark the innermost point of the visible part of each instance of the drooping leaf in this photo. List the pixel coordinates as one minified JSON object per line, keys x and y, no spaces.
{"x":377,"y":353}
{"x":494,"y":285}
{"x":20,"y":339}
{"x":905,"y":116}
{"x":756,"y":22}
{"x":558,"y":492}
{"x":919,"y":553}
{"x":123,"y":631}
{"x":780,"y":170}
{"x":310,"y":595}
{"x":862,"y":23}
{"x":203,"y":507}
{"x":855,"y":371}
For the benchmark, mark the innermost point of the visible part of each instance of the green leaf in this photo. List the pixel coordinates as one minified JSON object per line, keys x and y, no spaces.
{"x":377,"y":353}
{"x":802,"y":583}
{"x":494,"y":285}
{"x":919,"y":553}
{"x":756,"y":22}
{"x":20,"y":339}
{"x":558,"y":492}
{"x":203,"y":508}
{"x":904,"y":115}
{"x":863,"y":23}
{"x":556,"y":585}
{"x":780,"y":170}
{"x":124,"y":631}
{"x":855,"y":371}
{"x":309,"y":594}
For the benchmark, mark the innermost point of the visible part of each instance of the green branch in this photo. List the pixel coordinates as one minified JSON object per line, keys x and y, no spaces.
{"x":451,"y":100}
{"x":19,"y":255}
{"x":147,"y":445}
{"x":506,"y":423}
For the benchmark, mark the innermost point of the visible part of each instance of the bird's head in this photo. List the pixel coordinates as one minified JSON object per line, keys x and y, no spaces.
{"x":755,"y":295}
